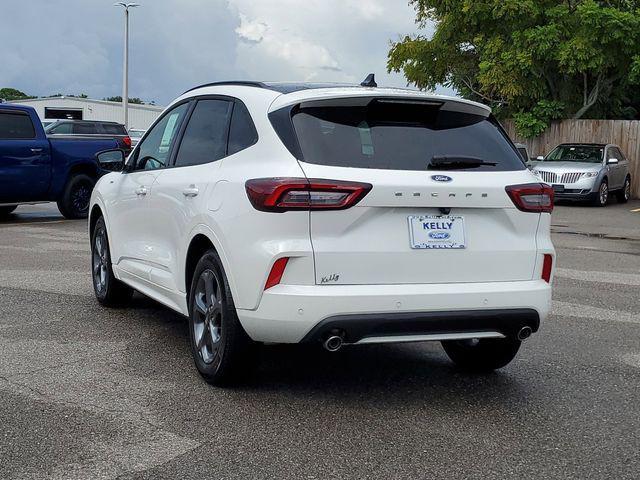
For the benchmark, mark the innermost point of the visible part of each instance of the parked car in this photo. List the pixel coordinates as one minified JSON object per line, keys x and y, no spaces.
{"x":295,"y":213}
{"x":92,"y":128}
{"x":586,"y":171}
{"x":135,"y":134}
{"x":524,"y":152}
{"x":34,"y":168}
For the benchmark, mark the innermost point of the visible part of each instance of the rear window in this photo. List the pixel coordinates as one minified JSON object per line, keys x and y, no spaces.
{"x":398,"y":135}
{"x":16,"y":126}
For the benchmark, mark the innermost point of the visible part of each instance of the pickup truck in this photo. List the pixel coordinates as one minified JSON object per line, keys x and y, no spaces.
{"x":36,"y":168}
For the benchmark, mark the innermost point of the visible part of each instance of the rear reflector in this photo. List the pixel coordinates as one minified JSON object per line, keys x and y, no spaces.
{"x":546,"y":268}
{"x":276,"y":272}
{"x":283,"y":194}
{"x":532,"y":197}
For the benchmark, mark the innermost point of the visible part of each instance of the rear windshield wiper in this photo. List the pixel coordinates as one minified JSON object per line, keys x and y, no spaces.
{"x":459,"y":162}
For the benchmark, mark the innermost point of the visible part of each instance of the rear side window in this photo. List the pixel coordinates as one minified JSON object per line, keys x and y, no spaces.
{"x":205,"y":138}
{"x":14,"y":126}
{"x":242,"y":133}
{"x":397,"y":135}
{"x":84,"y":129}
{"x":113,"y":129}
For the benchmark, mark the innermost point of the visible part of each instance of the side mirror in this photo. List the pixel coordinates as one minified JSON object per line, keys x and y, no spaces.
{"x":540,"y":158}
{"x":111,"y":160}
{"x":613,"y":161}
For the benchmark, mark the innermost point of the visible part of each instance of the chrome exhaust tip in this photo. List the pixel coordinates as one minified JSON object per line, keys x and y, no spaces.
{"x":524,"y":333}
{"x":333,"y":343}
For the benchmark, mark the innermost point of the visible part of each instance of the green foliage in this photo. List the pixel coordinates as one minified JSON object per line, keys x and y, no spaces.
{"x":533,"y":60}
{"x":8,"y":94}
{"x":118,"y":98}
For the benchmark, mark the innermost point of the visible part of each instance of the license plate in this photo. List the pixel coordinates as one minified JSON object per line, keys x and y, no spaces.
{"x":436,"y":231}
{"x":558,"y":188}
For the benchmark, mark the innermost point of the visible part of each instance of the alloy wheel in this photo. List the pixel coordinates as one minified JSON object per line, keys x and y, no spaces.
{"x":80,"y":198}
{"x":604,"y":193}
{"x":627,"y":189}
{"x":99,"y":260}
{"x":207,"y":320}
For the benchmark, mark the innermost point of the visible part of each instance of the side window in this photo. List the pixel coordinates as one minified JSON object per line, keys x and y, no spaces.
{"x":114,"y":129}
{"x":617,"y":154}
{"x":205,"y":138}
{"x":15,"y":126}
{"x":84,"y":129}
{"x":153,"y":152}
{"x":242,"y":133}
{"x":62,"y":128}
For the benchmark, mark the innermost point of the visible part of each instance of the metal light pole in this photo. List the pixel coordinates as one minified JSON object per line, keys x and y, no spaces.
{"x":125,"y":67}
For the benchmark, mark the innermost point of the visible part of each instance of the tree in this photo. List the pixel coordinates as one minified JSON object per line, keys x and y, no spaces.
{"x":532,"y":60}
{"x":118,"y":98}
{"x":8,"y":94}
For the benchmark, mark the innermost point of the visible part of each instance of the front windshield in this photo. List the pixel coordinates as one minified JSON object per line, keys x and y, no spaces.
{"x":576,"y":153}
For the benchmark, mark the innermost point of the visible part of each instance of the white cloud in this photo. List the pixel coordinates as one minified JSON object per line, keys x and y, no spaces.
{"x":75,"y":46}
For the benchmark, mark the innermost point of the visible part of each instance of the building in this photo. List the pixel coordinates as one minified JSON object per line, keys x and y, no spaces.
{"x":140,"y":116}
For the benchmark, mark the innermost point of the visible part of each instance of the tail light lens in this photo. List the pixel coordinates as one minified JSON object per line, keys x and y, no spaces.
{"x":283,"y":194}
{"x":127,"y":141}
{"x":532,"y":197}
{"x":547,"y":265}
{"x":275,"y":275}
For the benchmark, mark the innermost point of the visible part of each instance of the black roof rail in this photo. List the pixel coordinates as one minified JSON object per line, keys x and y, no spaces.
{"x":241,"y":83}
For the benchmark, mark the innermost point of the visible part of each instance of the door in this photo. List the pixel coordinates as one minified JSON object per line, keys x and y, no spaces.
{"x":135,"y":229}
{"x":25,"y":161}
{"x":183,"y":193}
{"x":437,"y":211}
{"x":617,"y":171}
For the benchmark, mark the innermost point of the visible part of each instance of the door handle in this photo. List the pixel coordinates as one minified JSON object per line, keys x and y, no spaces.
{"x":191,"y":191}
{"x":141,"y":191}
{"x":36,"y":150}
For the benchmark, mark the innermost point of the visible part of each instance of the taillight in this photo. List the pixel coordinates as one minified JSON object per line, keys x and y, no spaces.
{"x":547,"y":265}
{"x":275,"y":275}
{"x":532,"y":197}
{"x":127,"y":141}
{"x":283,"y":194}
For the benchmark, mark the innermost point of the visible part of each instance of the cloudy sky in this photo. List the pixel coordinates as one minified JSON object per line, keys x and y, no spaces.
{"x":75,"y":46}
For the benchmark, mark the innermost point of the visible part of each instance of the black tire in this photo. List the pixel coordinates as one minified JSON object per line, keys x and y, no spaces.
{"x":601,"y":197}
{"x":221,"y":349}
{"x":6,"y":211}
{"x":482,"y":355}
{"x":109,"y":291}
{"x":624,"y":194}
{"x":76,"y":197}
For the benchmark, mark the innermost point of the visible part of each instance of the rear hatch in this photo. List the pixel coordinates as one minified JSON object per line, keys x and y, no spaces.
{"x":437,"y":211}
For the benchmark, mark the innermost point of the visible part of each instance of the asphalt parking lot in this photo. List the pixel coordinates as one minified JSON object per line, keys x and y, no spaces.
{"x":94,"y":393}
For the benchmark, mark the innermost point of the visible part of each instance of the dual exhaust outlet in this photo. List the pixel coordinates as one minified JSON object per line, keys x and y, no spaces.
{"x":335,"y":340}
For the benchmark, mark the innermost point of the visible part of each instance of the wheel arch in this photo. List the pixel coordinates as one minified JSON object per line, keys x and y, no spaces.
{"x":202,"y":238}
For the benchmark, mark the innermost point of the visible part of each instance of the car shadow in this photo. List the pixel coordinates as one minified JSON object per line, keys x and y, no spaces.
{"x":397,"y":373}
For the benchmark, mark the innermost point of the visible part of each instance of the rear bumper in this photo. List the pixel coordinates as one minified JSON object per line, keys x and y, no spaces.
{"x":295,"y":313}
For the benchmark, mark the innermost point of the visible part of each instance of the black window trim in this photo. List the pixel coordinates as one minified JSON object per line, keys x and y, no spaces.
{"x":23,"y":113}
{"x":134,"y":154}
{"x":194,"y":100}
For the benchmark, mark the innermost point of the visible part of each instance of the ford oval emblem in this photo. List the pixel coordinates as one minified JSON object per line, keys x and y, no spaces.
{"x":441,"y":178}
{"x":439,"y":235}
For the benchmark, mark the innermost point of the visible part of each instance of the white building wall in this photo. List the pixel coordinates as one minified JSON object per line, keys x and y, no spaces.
{"x":140,"y":116}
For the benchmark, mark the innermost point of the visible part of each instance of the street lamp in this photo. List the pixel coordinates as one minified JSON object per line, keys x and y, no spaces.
{"x":125,"y":68}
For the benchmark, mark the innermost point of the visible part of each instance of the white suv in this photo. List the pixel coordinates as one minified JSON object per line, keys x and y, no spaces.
{"x":286,"y":213}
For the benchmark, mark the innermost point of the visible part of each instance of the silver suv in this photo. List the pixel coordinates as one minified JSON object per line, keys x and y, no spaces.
{"x":586,"y":171}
